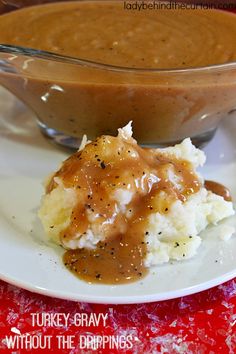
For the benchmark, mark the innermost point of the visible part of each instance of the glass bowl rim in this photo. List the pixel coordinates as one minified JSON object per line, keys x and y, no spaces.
{"x":46,"y":55}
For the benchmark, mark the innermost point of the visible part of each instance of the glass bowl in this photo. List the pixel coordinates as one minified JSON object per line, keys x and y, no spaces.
{"x":72,"y":97}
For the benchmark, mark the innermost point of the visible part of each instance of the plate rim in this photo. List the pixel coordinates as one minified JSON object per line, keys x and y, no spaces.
{"x":119,"y":300}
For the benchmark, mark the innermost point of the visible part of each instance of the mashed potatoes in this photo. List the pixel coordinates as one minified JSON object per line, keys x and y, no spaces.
{"x":114,"y":187}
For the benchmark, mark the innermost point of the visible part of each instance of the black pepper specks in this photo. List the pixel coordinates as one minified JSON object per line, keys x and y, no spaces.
{"x":103,"y":165}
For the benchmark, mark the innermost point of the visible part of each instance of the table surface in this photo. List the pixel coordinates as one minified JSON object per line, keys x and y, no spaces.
{"x":200,"y":323}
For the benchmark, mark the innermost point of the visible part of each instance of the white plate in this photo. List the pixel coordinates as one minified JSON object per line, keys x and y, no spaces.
{"x":29,"y":261}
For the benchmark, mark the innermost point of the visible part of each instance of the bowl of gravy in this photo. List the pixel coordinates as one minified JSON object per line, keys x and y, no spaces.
{"x":92,"y":66}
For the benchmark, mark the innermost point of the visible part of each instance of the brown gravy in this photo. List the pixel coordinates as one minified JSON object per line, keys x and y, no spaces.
{"x":120,"y":258}
{"x":219,"y":189}
{"x":78,"y":99}
{"x":107,"y":32}
{"x":117,"y":261}
{"x":96,"y":173}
